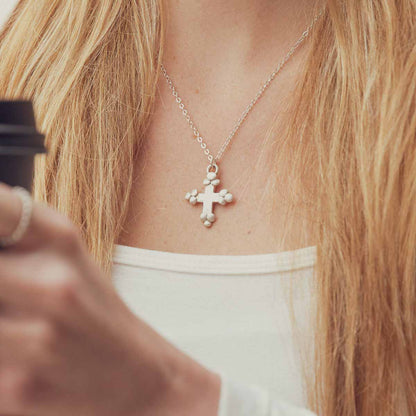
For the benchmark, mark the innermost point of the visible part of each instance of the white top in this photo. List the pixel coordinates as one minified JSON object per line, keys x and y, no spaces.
{"x":233,"y":315}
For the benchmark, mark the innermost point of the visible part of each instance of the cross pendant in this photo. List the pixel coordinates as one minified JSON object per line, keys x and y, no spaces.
{"x":209,"y":197}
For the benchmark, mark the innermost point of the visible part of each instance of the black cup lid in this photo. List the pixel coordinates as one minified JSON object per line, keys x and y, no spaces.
{"x":18,"y":126}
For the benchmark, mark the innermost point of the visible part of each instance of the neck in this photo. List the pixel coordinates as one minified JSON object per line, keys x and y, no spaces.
{"x":210,"y":33}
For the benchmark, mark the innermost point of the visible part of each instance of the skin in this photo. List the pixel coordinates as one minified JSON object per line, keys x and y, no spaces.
{"x":67,"y":338}
{"x":216,"y":84}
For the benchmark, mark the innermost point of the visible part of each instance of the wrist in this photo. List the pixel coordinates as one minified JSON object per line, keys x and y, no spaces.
{"x":192,"y":389}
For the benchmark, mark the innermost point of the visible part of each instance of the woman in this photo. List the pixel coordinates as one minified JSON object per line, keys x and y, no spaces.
{"x":336,"y":168}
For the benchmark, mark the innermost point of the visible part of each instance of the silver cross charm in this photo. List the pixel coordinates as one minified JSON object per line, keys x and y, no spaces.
{"x":209,"y":197}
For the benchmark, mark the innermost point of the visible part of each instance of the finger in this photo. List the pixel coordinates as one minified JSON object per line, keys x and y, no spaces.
{"x":26,"y":341}
{"x":11,"y":381}
{"x":33,"y":281}
{"x":10,"y":209}
{"x":46,"y":224}
{"x":22,"y":392}
{"x":10,"y":214}
{"x":48,"y":288}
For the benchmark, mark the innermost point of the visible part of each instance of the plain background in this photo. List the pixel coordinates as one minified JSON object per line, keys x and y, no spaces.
{"x":6,"y":7}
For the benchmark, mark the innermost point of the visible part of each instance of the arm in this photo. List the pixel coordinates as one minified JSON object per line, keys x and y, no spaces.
{"x":70,"y":345}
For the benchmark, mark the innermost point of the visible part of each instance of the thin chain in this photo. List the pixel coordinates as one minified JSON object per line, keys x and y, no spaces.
{"x":213,"y":160}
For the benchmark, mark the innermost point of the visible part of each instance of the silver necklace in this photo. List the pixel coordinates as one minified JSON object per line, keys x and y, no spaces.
{"x":210,"y":197}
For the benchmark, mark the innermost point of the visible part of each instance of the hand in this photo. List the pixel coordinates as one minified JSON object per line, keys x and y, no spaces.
{"x":68,"y":343}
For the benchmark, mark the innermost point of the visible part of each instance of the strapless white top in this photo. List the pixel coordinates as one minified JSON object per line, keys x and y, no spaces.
{"x":249,"y":318}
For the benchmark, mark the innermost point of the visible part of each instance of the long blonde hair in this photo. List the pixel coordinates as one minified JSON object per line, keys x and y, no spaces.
{"x":91,"y":71}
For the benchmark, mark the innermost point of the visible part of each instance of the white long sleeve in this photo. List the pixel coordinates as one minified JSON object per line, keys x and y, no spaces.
{"x":240,"y":399}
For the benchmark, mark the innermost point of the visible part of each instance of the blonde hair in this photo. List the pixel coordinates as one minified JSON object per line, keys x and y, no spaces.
{"x":91,"y":72}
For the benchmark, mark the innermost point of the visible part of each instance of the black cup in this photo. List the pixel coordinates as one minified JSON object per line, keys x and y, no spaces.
{"x":19,"y":143}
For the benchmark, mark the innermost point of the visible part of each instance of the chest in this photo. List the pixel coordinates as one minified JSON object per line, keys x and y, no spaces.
{"x":176,"y":205}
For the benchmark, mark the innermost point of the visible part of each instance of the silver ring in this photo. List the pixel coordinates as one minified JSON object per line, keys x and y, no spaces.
{"x":27,"y":207}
